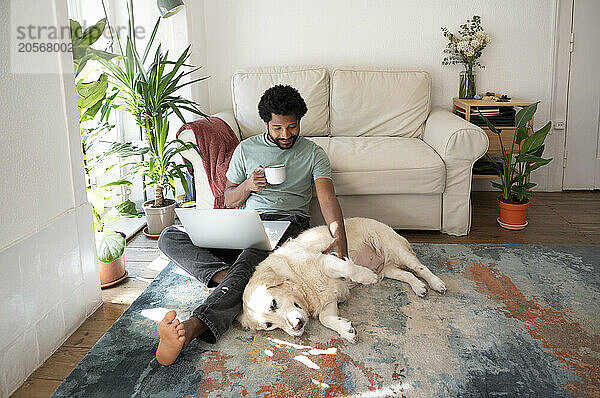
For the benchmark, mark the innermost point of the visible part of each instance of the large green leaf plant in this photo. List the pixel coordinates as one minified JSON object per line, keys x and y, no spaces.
{"x":149,"y":93}
{"x":514,"y":169}
{"x":94,"y":102}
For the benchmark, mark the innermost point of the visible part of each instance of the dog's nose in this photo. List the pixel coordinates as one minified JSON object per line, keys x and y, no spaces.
{"x":299,"y":324}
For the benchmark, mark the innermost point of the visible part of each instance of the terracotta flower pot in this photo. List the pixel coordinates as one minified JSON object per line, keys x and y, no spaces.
{"x":512,"y":216}
{"x":113,"y":272}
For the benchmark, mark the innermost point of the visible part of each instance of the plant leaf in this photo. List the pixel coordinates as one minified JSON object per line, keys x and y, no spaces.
{"x":117,"y":183}
{"x":91,"y":34}
{"x":489,"y":124}
{"x":151,"y":40}
{"x":183,"y":182}
{"x":140,"y":65}
{"x":91,"y":112}
{"x":110,"y":246}
{"x":177,"y":112}
{"x":75,"y":28}
{"x":535,"y":140}
{"x":527,"y":158}
{"x":80,"y":63}
{"x":90,"y":93}
{"x":97,"y":54}
{"x":107,"y":106}
{"x":534,"y":166}
{"x":96,"y":197}
{"x":129,"y":63}
{"x":524,"y":115}
{"x":127,"y":209}
{"x":521,"y":134}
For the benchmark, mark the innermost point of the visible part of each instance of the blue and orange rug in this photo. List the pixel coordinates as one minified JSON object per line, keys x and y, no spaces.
{"x":517,"y":321}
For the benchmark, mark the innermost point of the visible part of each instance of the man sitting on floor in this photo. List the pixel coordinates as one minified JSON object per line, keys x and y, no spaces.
{"x":281,"y":108}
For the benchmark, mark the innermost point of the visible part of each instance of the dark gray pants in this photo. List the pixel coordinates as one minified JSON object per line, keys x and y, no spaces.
{"x":225,"y":302}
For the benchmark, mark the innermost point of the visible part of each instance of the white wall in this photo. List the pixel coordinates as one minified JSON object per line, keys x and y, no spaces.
{"x":49,"y":280}
{"x":406,"y":34}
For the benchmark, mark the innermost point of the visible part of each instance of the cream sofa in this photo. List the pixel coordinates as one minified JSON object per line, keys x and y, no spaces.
{"x":393,"y":158}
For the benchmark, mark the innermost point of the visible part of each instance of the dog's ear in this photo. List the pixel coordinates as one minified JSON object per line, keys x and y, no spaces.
{"x":272,"y":271}
{"x":272,"y":279}
{"x":276,"y":282}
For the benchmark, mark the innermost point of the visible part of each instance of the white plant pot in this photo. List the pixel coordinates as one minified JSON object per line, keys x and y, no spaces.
{"x":159,"y":218}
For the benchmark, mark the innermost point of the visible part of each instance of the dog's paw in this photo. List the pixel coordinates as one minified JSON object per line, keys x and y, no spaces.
{"x":364,"y":276}
{"x":437,"y":284}
{"x":419,"y":288}
{"x":350,"y":336}
{"x":346,"y":330}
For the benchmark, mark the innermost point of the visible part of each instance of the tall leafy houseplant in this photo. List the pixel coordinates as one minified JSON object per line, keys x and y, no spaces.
{"x":149,"y":93}
{"x":94,"y":103}
{"x":514,"y":171}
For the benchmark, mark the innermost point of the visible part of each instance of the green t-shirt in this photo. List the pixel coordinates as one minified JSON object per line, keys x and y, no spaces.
{"x":304,"y":163}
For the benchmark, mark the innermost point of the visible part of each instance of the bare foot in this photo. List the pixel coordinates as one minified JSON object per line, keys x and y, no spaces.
{"x":172,"y":339}
{"x":175,"y":335}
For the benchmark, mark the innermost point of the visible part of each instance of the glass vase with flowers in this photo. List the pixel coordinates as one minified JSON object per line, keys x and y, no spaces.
{"x":465,"y":47}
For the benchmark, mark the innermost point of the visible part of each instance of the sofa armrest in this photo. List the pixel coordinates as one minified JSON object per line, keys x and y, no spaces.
{"x":459,"y":143}
{"x":453,"y":138}
{"x":204,"y":197}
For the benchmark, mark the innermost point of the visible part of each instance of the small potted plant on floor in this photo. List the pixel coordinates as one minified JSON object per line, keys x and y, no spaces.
{"x":514,"y":169}
{"x":149,"y":93}
{"x":110,"y":245}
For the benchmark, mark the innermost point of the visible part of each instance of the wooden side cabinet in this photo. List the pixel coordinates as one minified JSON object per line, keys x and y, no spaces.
{"x":506,"y":131}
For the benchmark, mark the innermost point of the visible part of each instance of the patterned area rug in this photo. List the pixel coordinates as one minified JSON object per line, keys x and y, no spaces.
{"x":518,"y":320}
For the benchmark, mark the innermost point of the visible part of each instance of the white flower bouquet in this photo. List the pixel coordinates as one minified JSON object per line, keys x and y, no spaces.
{"x":465,"y":48}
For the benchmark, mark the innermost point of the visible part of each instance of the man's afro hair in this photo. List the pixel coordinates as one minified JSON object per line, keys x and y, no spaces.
{"x":281,"y":100}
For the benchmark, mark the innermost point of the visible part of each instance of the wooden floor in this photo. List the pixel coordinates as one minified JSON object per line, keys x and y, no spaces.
{"x":563,"y":218}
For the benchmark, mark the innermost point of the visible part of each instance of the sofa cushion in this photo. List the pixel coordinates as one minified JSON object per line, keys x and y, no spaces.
{"x":248,"y":85}
{"x":379,"y":102}
{"x":384,"y":165}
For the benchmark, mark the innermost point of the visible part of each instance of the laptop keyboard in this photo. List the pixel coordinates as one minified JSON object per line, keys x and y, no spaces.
{"x":275,"y":230}
{"x":270,"y":233}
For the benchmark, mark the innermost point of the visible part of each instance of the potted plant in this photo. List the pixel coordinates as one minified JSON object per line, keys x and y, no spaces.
{"x":110,"y":245}
{"x":149,"y":94}
{"x":464,"y":48}
{"x":94,"y":103}
{"x":514,"y":169}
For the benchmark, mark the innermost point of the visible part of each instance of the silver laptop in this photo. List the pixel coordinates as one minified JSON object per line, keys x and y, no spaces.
{"x":231,"y":228}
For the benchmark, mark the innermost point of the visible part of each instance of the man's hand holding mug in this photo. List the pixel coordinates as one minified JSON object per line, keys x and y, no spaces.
{"x":257,"y":180}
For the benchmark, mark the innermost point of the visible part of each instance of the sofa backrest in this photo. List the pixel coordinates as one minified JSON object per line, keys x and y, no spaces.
{"x":357,"y":102}
{"x":248,"y":85}
{"x":379,"y":102}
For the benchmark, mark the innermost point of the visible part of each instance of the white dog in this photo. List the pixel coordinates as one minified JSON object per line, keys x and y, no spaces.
{"x":298,"y":281}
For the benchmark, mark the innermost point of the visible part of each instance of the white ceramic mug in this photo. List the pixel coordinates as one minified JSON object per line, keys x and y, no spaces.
{"x":275,"y":174}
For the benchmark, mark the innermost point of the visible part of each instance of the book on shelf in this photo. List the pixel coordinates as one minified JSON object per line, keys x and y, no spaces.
{"x":502,"y":116}
{"x":484,"y":111}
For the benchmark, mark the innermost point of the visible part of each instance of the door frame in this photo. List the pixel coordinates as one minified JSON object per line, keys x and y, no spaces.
{"x":569,"y":13}
{"x":560,"y":91}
